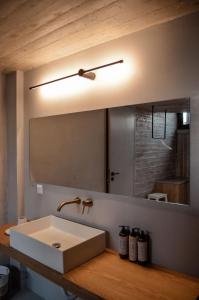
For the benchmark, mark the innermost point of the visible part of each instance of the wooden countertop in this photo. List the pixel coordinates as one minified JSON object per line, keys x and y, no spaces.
{"x":108,"y":277}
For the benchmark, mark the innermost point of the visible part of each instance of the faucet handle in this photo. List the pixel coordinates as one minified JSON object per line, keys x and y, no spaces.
{"x":87,"y":203}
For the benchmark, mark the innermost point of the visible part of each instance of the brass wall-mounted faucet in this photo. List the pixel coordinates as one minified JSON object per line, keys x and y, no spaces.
{"x":77,"y":200}
{"x":87,"y":203}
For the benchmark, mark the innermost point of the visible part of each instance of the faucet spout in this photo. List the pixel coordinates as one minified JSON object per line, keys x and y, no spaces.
{"x":77,"y":200}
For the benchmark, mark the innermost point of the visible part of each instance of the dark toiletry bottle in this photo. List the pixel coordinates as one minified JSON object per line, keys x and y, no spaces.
{"x":149,"y":246}
{"x":143,"y":248}
{"x":124,"y":242}
{"x":133,"y":244}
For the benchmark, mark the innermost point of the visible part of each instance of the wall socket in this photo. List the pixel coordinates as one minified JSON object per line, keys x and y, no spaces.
{"x":40,"y":189}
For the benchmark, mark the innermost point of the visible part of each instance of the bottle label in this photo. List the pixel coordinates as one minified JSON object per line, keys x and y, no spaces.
{"x":142,"y":251}
{"x":123,"y":245}
{"x":133,"y":248}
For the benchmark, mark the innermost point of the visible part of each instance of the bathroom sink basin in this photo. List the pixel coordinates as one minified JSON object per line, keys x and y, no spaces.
{"x":57,"y":243}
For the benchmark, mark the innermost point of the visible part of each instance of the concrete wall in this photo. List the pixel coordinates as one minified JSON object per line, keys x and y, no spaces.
{"x":165,"y":59}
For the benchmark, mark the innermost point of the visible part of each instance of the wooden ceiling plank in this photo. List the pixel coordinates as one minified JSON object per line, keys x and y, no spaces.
{"x":61,"y":46}
{"x":105,"y":13}
{"x":8,"y":7}
{"x":31,"y":15}
{"x":82,"y":26}
{"x":29,"y":34}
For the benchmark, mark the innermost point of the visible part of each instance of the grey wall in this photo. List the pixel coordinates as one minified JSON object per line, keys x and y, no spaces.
{"x":3,"y":152}
{"x":3,"y":160}
{"x":166,"y":67}
{"x":10,"y":90}
{"x":54,"y":138}
{"x":14,"y":88}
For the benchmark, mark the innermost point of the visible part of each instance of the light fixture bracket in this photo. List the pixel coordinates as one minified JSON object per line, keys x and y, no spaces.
{"x":86,"y":74}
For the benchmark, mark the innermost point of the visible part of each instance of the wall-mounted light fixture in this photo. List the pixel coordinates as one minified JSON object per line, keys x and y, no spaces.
{"x":82,"y":73}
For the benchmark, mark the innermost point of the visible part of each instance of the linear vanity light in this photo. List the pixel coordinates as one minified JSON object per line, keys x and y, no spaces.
{"x":82,"y":73}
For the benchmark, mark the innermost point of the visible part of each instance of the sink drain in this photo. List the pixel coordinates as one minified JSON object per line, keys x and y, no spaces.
{"x":56,"y":245}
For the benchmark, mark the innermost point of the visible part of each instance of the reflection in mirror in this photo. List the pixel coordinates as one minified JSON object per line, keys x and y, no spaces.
{"x":136,"y":150}
{"x":162,"y":159}
{"x":69,"y":150}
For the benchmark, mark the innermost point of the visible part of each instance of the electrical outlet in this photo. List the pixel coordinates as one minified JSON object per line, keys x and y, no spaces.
{"x":40,"y":189}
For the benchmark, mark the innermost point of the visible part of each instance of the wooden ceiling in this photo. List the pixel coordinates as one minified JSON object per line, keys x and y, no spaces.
{"x":35,"y":32}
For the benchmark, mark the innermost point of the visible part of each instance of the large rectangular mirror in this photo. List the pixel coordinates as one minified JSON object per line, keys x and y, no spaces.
{"x":137,"y":150}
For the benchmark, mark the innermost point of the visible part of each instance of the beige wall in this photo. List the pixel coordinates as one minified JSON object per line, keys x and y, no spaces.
{"x":3,"y":152}
{"x":157,"y":57}
{"x":15,"y":144}
{"x":20,"y":141}
{"x":10,"y":90}
{"x":3,"y":161}
{"x":166,"y":67}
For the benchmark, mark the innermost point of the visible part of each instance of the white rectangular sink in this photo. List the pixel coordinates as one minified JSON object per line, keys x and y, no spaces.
{"x":77,"y":243}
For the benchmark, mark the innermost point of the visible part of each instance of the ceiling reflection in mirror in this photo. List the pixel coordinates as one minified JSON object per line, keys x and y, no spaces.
{"x":137,"y":150}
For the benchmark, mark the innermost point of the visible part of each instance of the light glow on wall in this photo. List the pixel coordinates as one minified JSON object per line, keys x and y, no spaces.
{"x":107,"y":77}
{"x":67,"y":87}
{"x":116,"y":74}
